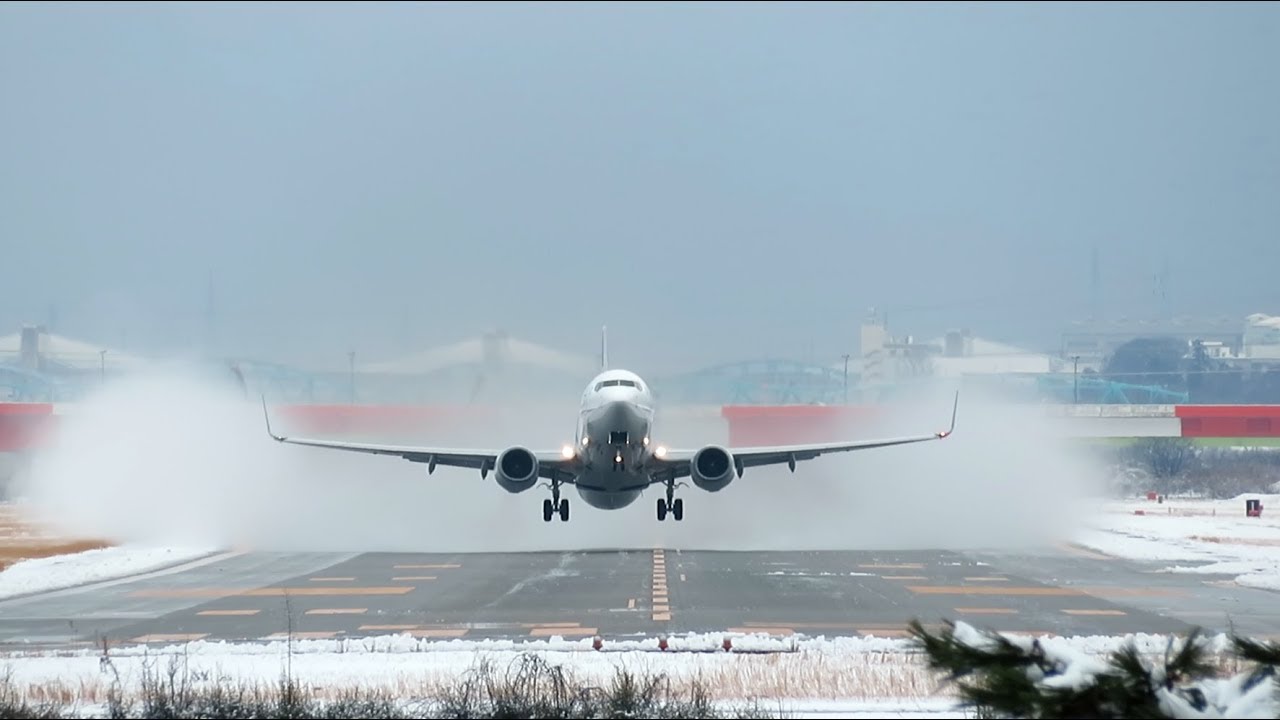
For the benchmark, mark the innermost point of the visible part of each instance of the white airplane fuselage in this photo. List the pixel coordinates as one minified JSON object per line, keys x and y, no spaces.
{"x":613,"y":439}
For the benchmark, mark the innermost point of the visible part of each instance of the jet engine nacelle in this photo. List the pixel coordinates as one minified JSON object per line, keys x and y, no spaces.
{"x":517,"y":470}
{"x":711,"y":468}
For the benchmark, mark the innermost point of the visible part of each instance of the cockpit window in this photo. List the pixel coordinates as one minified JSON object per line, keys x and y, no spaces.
{"x":616,"y":383}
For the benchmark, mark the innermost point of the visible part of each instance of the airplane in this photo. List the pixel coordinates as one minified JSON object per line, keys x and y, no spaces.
{"x":613,"y":458}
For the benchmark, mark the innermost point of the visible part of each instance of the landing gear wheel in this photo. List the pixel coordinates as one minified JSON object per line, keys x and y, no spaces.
{"x":564,"y":510}
{"x":546,"y":510}
{"x":677,"y":509}
{"x":662,"y":509}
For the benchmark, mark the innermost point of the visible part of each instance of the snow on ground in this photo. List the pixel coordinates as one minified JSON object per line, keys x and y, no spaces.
{"x":1194,"y":535}
{"x":90,"y":566}
{"x":807,"y":677}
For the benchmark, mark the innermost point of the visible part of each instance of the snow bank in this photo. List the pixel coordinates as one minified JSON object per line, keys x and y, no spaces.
{"x":64,"y":571}
{"x":1215,"y":533}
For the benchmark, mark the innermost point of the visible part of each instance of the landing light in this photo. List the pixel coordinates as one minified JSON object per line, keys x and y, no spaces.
{"x":646,"y":442}
{"x":584,"y":440}
{"x":660,"y":452}
{"x":567,"y":451}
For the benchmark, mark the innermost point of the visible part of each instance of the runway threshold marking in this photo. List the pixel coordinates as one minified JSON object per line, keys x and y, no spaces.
{"x":388,"y":627}
{"x":661,"y":608}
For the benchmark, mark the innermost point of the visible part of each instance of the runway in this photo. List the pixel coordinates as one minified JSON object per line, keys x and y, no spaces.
{"x":255,"y":596}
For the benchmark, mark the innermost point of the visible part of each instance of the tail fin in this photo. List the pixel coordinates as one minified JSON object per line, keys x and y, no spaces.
{"x":604,"y":347}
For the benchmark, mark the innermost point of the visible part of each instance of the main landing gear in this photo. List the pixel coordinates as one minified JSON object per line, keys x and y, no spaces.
{"x":555,"y":504}
{"x":671,"y":504}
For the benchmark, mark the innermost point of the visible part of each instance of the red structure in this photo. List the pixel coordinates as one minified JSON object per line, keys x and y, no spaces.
{"x":1229,"y":420}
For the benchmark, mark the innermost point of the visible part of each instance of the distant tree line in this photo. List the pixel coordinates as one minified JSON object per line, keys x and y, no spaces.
{"x":1170,"y":363}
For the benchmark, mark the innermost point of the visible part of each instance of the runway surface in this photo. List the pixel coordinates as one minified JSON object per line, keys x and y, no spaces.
{"x":616,"y":594}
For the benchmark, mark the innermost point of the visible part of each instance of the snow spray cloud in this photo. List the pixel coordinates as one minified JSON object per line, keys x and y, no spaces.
{"x":171,"y":458}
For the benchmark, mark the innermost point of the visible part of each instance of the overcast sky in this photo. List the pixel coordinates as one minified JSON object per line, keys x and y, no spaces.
{"x":716,"y":182}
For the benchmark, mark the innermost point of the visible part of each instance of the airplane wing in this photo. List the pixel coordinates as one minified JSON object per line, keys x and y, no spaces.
{"x":675,"y":464}
{"x":550,"y":462}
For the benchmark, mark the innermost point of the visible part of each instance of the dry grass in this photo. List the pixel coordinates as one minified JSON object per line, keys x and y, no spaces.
{"x":21,"y":538}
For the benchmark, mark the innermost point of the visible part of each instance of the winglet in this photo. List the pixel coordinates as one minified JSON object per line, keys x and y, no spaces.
{"x":955,"y":407}
{"x":268,"y":419}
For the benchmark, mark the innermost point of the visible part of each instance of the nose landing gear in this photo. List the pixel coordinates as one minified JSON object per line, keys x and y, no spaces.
{"x":555,"y":504}
{"x":671,"y":504}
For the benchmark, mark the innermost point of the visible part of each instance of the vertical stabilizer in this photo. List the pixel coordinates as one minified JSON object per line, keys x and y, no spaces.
{"x":604,"y":347}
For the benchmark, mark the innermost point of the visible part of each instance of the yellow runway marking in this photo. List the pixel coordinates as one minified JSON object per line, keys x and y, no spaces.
{"x":765,"y":630}
{"x":412,"y":578}
{"x":173,"y":637}
{"x":1133,"y":592}
{"x":901,"y":566}
{"x":987,"y":611}
{"x":425,"y":567}
{"x":271,"y":592}
{"x":313,"y":635}
{"x":984,"y":590}
{"x":439,"y":633}
{"x":884,"y":632}
{"x":1095,"y":612}
{"x":337,"y":611}
{"x":228,"y":612}
{"x":551,"y":630}
{"x":1083,"y":552}
{"x":332,"y":579}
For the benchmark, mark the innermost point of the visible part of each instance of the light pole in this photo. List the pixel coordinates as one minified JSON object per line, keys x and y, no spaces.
{"x":351,"y":364}
{"x":846,"y":378}
{"x":1075,"y":377}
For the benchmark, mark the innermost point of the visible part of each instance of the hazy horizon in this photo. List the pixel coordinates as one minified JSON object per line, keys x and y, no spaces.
{"x":714,"y":182}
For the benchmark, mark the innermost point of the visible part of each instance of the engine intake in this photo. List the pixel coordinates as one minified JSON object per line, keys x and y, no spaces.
{"x":711,"y":468}
{"x":517,"y":470}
